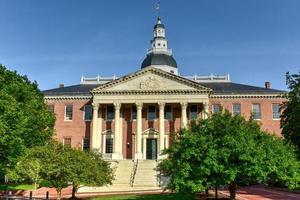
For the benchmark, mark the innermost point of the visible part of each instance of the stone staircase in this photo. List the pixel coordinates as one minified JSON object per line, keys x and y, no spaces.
{"x":129,"y":179}
{"x":146,"y":174}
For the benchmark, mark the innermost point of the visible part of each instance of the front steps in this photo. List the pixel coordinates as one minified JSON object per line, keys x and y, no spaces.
{"x":145,"y":179}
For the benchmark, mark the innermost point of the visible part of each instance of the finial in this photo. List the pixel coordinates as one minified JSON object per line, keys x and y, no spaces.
{"x":157,"y":8}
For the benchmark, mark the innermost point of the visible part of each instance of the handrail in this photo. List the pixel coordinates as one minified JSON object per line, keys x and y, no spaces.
{"x":135,"y":165}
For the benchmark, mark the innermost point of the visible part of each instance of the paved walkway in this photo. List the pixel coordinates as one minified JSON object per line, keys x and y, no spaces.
{"x":262,"y":193}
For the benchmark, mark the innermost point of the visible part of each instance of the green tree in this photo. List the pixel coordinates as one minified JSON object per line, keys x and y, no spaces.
{"x":228,"y":150}
{"x":88,"y":169}
{"x":61,"y":166}
{"x":24,"y":119}
{"x":290,"y":118}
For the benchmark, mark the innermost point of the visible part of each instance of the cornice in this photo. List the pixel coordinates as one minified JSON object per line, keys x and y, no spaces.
{"x":247,"y":96}
{"x":68,"y":97}
{"x":149,"y":92}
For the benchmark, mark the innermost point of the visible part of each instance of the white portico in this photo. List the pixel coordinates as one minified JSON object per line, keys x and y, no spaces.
{"x":149,"y":86}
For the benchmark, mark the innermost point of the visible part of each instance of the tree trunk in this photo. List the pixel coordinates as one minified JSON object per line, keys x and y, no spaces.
{"x":74,"y":190}
{"x":216,"y":192}
{"x":206,"y":192}
{"x":58,"y":190}
{"x":232,"y":190}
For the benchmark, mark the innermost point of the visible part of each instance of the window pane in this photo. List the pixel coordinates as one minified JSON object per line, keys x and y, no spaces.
{"x":168,"y":113}
{"x":133,"y":113}
{"x":69,"y":112}
{"x":50,"y":108}
{"x":216,"y":108}
{"x":88,"y":112}
{"x":151,"y":113}
{"x":67,"y":141}
{"x":86,"y":144}
{"x":109,"y":145}
{"x":236,"y":109}
{"x":256,"y":111}
{"x":276,"y":111}
{"x":110,"y":115}
{"x":193,"y":112}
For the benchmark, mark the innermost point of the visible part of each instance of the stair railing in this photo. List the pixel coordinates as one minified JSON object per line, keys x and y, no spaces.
{"x":132,"y":177}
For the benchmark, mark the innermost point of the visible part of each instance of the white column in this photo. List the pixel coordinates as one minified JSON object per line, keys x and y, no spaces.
{"x":138,"y":142}
{"x":117,"y":154}
{"x":99,"y":128}
{"x":205,"y":110}
{"x":161,"y":126}
{"x":183,"y":114}
{"x":95,"y":136}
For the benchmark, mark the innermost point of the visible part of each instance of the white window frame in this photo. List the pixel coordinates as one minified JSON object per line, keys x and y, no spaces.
{"x":155,"y":113}
{"x":190,"y":106}
{"x":240,"y":108}
{"x":67,"y":138}
{"x":106,"y":114}
{"x":65,"y":115}
{"x":275,"y":119}
{"x":213,"y":108}
{"x":172,"y":117}
{"x":259,"y":111}
{"x":84,"y":113}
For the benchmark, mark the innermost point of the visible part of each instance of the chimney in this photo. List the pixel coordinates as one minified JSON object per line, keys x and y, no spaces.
{"x":61,"y":85}
{"x":267,"y":85}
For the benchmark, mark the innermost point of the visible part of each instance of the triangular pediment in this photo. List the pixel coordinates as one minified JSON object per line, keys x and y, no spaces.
{"x":151,"y":79}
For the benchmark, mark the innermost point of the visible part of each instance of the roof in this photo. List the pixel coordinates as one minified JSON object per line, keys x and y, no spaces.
{"x":236,"y":88}
{"x":158,"y":59}
{"x":218,"y":88}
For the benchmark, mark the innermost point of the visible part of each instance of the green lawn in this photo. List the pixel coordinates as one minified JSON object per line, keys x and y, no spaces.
{"x":145,"y":197}
{"x":17,"y":187}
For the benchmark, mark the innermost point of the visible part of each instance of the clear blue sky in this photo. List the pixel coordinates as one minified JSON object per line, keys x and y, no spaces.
{"x":59,"y":40}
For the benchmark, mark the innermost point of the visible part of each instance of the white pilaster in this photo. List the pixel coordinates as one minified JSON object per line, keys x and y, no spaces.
{"x":161,"y":126}
{"x":95,"y":136}
{"x":205,"y":110}
{"x":117,"y":154}
{"x":138,"y":153}
{"x":99,"y":128}
{"x":183,"y":114}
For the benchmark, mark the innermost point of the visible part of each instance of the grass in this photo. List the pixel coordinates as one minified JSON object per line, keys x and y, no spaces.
{"x":17,"y":187}
{"x":145,"y":197}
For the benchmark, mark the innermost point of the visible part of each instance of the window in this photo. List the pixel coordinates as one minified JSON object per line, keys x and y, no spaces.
{"x":151,"y":113}
{"x":276,"y":111}
{"x":158,"y":44}
{"x":86,"y":144}
{"x":193,"y":112}
{"x":256,"y":111}
{"x":109,"y":145}
{"x":110,"y":113}
{"x":68,"y":113}
{"x":168,"y":113}
{"x":133,"y":113}
{"x":88,"y":112}
{"x":236,"y":109}
{"x":67,"y":142}
{"x":216,"y":108}
{"x":50,"y":108}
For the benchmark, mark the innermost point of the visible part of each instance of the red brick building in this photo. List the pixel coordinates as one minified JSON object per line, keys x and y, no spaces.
{"x":132,"y":117}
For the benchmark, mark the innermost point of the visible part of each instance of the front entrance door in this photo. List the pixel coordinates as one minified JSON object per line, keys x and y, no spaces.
{"x":151,"y":152}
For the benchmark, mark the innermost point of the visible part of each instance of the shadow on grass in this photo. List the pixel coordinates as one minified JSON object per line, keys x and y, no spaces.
{"x":147,"y":197}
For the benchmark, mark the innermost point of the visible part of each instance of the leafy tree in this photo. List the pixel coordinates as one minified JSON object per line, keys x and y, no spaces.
{"x":290,"y":119}
{"x":62,"y":166}
{"x":88,"y":169}
{"x":24,"y":119}
{"x":228,"y":150}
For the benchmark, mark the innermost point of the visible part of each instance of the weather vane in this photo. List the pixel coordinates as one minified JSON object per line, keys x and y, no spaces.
{"x":157,"y":8}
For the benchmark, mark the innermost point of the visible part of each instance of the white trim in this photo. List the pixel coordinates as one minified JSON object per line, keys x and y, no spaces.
{"x":232,"y":111}
{"x":68,"y":120}
{"x":275,"y":119}
{"x":87,"y":120}
{"x":259,"y":111}
{"x":246,"y":96}
{"x":66,"y":97}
